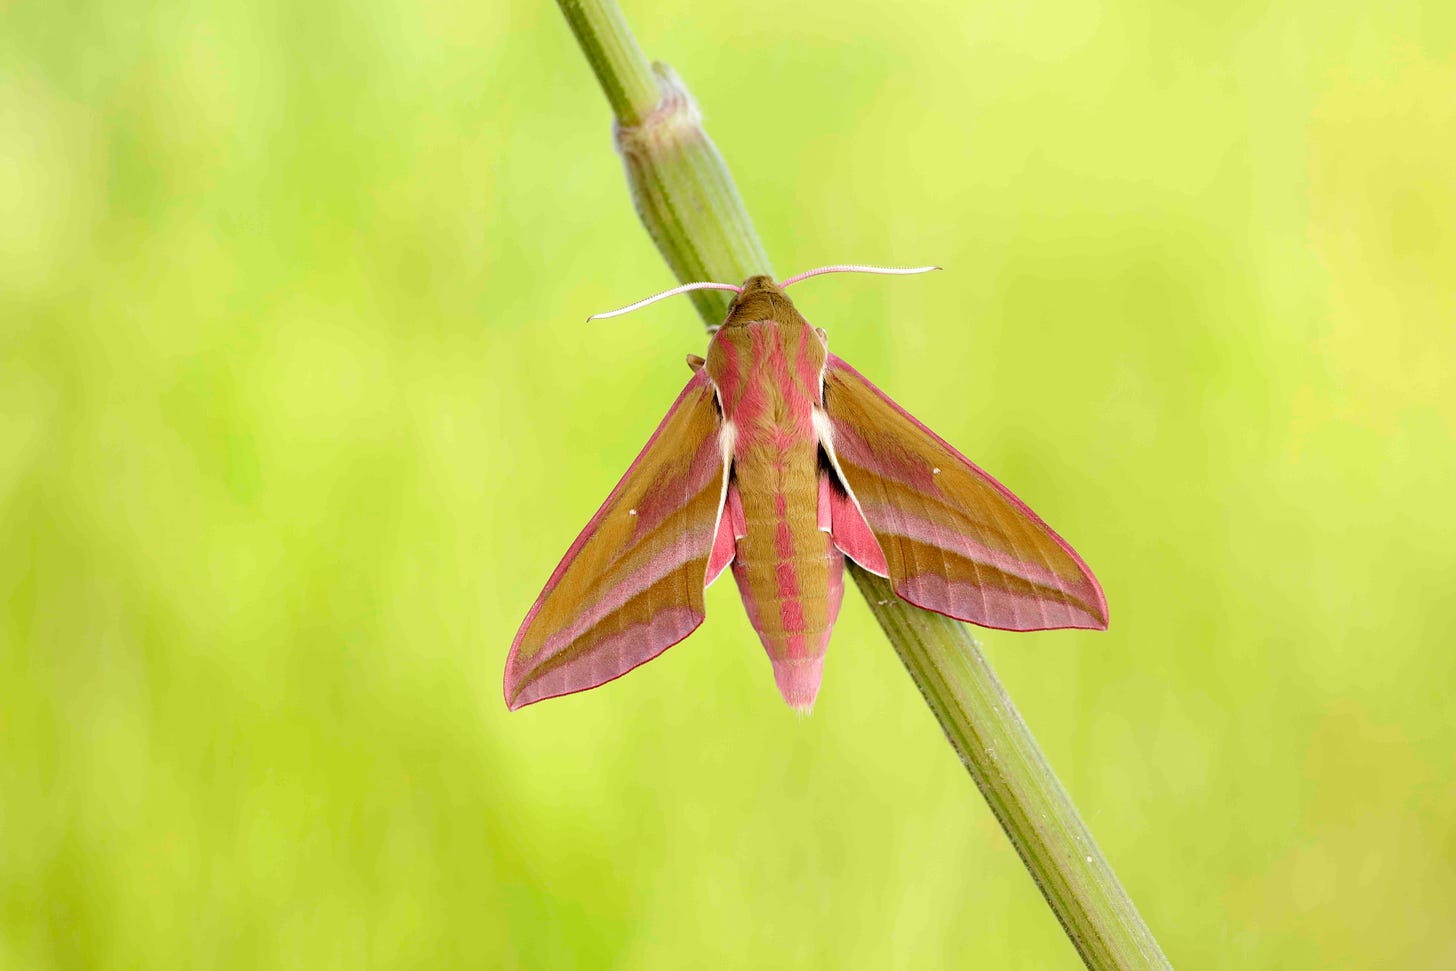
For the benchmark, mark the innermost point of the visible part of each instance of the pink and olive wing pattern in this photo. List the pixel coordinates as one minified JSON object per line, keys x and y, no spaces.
{"x":631,"y":586}
{"x":955,"y":540}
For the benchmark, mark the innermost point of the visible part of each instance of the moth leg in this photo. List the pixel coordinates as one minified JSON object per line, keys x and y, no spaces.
{"x":695,"y":363}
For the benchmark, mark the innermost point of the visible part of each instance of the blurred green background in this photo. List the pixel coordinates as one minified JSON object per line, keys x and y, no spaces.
{"x":298,"y":412}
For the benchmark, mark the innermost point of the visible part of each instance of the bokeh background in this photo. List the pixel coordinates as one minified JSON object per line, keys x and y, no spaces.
{"x":298,"y":412}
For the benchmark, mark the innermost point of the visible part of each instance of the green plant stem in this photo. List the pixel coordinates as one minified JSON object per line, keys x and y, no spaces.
{"x":614,"y":56}
{"x":689,"y":205}
{"x":1000,"y":753}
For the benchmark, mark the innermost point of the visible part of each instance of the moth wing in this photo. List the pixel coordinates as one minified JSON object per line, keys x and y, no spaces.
{"x":631,"y":586}
{"x":955,"y":540}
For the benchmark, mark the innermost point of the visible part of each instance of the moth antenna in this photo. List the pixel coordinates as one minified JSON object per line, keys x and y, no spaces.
{"x":857,"y":268}
{"x":663,"y":295}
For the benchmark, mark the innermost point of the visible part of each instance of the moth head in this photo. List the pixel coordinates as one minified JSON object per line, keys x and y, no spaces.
{"x":758,"y":283}
{"x":760,"y":298}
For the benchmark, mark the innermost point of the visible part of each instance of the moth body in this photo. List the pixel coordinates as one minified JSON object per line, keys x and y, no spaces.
{"x":767,"y":372}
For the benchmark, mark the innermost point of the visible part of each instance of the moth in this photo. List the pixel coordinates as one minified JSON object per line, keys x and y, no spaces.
{"x":779,"y":460}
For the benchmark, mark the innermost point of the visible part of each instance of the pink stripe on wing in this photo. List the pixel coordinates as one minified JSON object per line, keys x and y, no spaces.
{"x":1002,"y":608}
{"x":927,"y":531}
{"x":613,"y":657}
{"x":689,"y":546}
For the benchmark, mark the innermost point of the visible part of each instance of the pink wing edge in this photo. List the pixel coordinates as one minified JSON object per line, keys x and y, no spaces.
{"x":698,"y":380}
{"x":837,"y":363}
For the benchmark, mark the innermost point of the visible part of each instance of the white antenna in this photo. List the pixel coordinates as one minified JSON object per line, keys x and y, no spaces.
{"x":856,"y":268}
{"x":663,"y":295}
